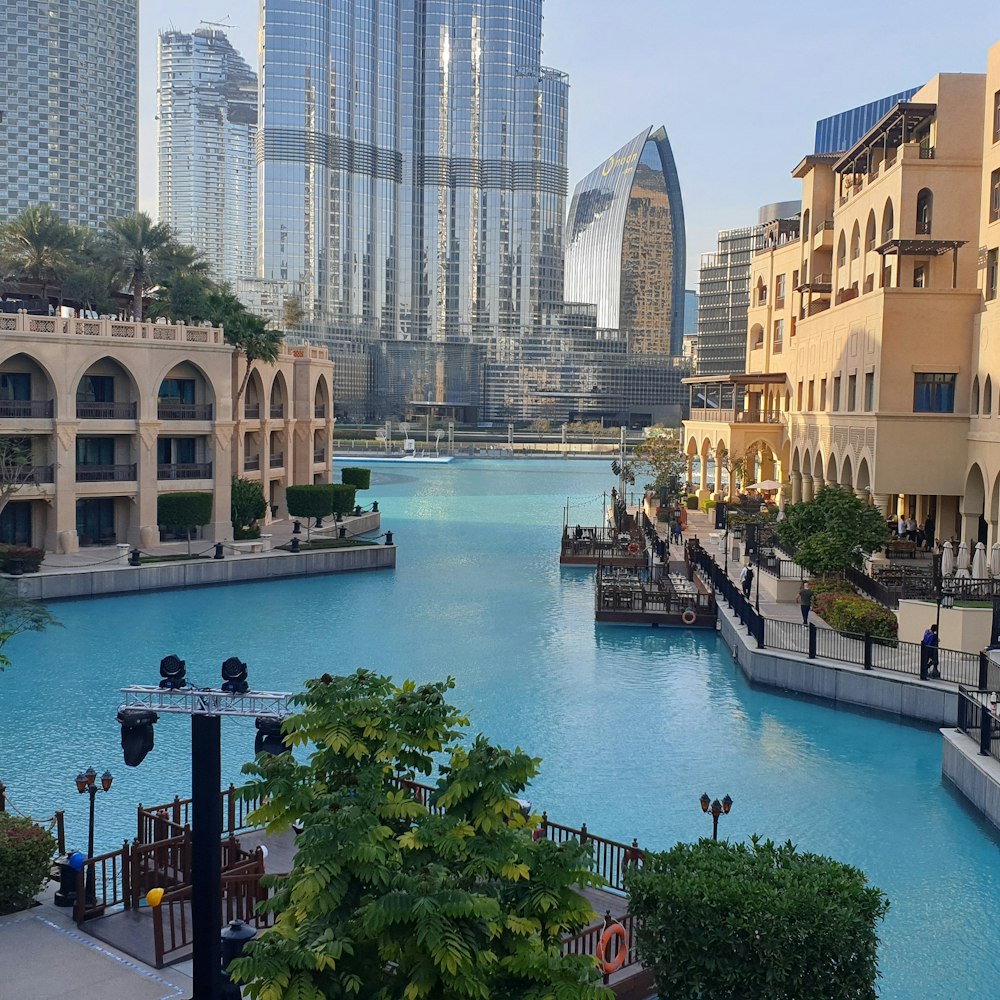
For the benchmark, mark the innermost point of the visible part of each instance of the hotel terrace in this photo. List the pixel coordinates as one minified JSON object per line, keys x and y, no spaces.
{"x":116,"y":413}
{"x":869,"y":362}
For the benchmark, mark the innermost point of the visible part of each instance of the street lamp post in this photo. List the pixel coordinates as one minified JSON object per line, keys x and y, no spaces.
{"x":86,"y":781}
{"x":717,"y":809}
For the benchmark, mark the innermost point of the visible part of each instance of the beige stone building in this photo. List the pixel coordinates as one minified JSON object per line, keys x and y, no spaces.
{"x":869,"y":358}
{"x":116,"y":413}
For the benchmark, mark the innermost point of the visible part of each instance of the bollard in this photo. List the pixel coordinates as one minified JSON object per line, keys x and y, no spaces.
{"x":218,"y":551}
{"x":66,"y":893}
{"x":295,"y":545}
{"x":388,"y":538}
{"x":342,"y":531}
{"x":234,"y":937}
{"x":374,"y":506}
{"x":133,"y":557}
{"x":357,"y":510}
{"x":296,"y":528}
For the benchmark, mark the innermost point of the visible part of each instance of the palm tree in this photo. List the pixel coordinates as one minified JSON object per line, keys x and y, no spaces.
{"x":141,"y":251}
{"x":37,"y":246}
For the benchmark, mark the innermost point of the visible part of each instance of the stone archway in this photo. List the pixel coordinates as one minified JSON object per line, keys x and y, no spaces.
{"x":972,"y":506}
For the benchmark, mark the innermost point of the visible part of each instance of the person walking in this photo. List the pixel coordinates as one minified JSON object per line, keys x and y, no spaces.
{"x":929,"y":533}
{"x":805,"y":600}
{"x":746,"y":580}
{"x":929,"y":648}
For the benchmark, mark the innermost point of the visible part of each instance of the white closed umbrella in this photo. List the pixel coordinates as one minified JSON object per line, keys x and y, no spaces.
{"x":979,"y":568}
{"x":962,"y":560}
{"x":995,"y":559}
{"x":947,"y":559}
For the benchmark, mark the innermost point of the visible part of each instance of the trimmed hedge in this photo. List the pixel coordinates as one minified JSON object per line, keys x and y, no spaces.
{"x":343,"y":497}
{"x":853,"y":613}
{"x":25,"y":861}
{"x":309,"y":501}
{"x":29,"y":558}
{"x":360,"y":479}
{"x":183,"y":511}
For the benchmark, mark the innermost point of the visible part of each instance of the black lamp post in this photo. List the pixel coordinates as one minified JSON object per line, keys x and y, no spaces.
{"x":717,"y":809}
{"x":86,"y":781}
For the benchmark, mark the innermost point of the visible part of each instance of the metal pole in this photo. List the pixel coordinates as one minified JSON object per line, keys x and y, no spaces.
{"x":206,"y":855}
{"x":91,"y":894}
{"x":756,"y":603}
{"x":715,"y":826}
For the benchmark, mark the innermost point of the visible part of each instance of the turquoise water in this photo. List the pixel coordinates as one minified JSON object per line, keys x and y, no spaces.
{"x":633,"y":724}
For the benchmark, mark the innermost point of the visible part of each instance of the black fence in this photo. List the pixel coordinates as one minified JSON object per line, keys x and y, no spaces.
{"x":869,"y":652}
{"x":977,"y":718}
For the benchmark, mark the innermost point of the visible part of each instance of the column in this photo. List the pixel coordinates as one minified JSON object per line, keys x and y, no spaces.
{"x":863,"y":495}
{"x":143,"y":531}
{"x":718,"y":477}
{"x":807,"y":487}
{"x":703,"y":488}
{"x":818,"y":483}
{"x":796,"y":480}
{"x":690,"y":462}
{"x":221,"y":528}
{"x":62,"y":536}
{"x":881,"y":501}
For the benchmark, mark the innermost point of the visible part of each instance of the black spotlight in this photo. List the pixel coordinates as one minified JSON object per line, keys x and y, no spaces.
{"x":234,"y":676}
{"x":269,"y":735}
{"x":615,"y":467}
{"x":137,"y":733}
{"x":172,"y":671}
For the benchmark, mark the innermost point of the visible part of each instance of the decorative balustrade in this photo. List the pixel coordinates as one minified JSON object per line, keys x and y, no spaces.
{"x":105,"y":411}
{"x":26,"y":409}
{"x":184,"y":411}
{"x":185,"y":470}
{"x":112,"y":329}
{"x":105,"y":473}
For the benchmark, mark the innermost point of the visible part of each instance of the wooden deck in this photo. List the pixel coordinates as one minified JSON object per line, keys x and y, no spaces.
{"x":603,"y":546}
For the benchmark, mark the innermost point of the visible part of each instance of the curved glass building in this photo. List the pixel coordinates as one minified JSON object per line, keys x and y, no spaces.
{"x":625,"y":248}
{"x":411,"y":166}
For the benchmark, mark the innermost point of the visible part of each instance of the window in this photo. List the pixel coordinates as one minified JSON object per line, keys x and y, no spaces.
{"x":96,"y":389}
{"x":974,"y":402}
{"x":934,"y":392}
{"x":988,"y":397}
{"x":175,"y":450}
{"x":921,"y":278}
{"x":798,"y":398}
{"x":779,"y":335}
{"x":176,"y":390}
{"x":925,"y":203}
{"x":836,"y":394}
{"x":995,"y":195}
{"x":852,"y":393}
{"x":869,"y":391}
{"x":779,"y":291}
{"x":822,"y":395}
{"x":15,"y":386}
{"x":996,"y":116}
{"x":95,"y":451}
{"x":992,"y":259}
{"x":812,"y":399}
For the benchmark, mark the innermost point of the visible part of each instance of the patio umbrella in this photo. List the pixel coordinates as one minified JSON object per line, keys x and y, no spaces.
{"x":947,"y":559}
{"x":979,"y":570}
{"x":995,"y":559}
{"x":765,"y":486}
{"x":962,"y":560}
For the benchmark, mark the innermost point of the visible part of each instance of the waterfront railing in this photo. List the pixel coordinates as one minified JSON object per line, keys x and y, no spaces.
{"x":977,"y":718}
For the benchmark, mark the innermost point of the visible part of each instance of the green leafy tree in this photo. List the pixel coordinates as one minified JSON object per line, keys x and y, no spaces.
{"x":359,"y":478}
{"x":755,"y":921}
{"x":182,"y":296}
{"x":25,"y":861}
{"x":315,"y":501}
{"x":661,"y":455}
{"x":247,"y":502}
{"x":394,"y":896}
{"x":342,"y":497}
{"x":17,"y":469}
{"x":37,"y":247}
{"x":17,"y":615}
{"x":831,"y":532}
{"x":184,"y":511}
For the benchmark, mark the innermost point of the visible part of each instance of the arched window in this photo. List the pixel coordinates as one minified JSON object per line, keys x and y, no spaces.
{"x":761,"y":292}
{"x":855,"y":242}
{"x":805,"y":227}
{"x":756,"y":336}
{"x":974,"y":407}
{"x":988,"y":397}
{"x":925,"y":207}
{"x":870,"y":232}
{"x":842,"y":250}
{"x":888,"y":221}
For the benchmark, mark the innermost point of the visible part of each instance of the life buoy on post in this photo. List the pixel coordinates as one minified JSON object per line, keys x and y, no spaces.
{"x":613,"y":930}
{"x":688,"y":616}
{"x":633,"y":549}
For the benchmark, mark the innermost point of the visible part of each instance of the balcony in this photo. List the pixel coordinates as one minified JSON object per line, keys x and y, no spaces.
{"x":105,"y":411}
{"x":319,"y":455}
{"x":846,"y":294}
{"x":817,"y":283}
{"x":251,"y":463}
{"x":277,"y":411}
{"x":926,"y":152}
{"x":251,"y":411}
{"x":758,"y":416}
{"x":184,"y":411}
{"x":820,"y":305}
{"x":185,"y":470}
{"x":278,"y":460}
{"x":924,"y":227}
{"x":26,"y":409}
{"x":713,"y":414}
{"x":320,"y":412}
{"x":36,"y":475}
{"x":105,"y":473}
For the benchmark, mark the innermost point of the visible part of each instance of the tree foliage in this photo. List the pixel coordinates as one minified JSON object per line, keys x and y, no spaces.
{"x":247,"y":502}
{"x":16,"y":467}
{"x":309,"y":501}
{"x":359,"y":478}
{"x":184,"y":511}
{"x":25,"y":860}
{"x":661,"y":455}
{"x":341,"y":497}
{"x":831,"y":532}
{"x":141,"y":253}
{"x":756,"y":921}
{"x":37,"y":246}
{"x":396,"y":897}
{"x":249,"y":333}
{"x":17,"y":615}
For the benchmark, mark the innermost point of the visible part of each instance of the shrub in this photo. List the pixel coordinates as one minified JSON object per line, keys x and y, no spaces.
{"x":30,"y":558}
{"x":243,"y":534}
{"x":358,"y":478}
{"x":183,"y":511}
{"x":309,"y":501}
{"x":853,"y":613}
{"x":707,"y":505}
{"x":247,"y":502}
{"x":755,"y":921}
{"x":342,"y":496}
{"x":831,"y":585}
{"x":691,"y":502}
{"x":25,"y":860}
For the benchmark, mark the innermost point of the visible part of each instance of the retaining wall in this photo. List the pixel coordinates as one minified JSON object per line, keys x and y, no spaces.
{"x":977,"y":778}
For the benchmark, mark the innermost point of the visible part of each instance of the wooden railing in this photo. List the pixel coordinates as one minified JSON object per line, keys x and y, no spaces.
{"x":164,"y":864}
{"x":171,"y":818}
{"x":107,"y":877}
{"x":610,"y":858}
{"x":586,"y":942}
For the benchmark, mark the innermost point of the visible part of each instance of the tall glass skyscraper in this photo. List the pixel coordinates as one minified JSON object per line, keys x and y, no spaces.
{"x":412,"y":166}
{"x":625,"y":246}
{"x":207,"y":110}
{"x":68,"y":107}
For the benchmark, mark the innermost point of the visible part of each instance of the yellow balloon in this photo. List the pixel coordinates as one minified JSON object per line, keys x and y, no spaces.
{"x":154,"y":897}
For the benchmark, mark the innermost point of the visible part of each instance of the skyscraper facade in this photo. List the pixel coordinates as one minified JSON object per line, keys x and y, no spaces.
{"x":625,"y":247}
{"x":68,"y":107}
{"x":207,"y":111}
{"x":412,"y":166}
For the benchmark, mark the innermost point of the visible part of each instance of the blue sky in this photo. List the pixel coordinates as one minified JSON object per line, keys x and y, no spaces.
{"x":738,"y":86}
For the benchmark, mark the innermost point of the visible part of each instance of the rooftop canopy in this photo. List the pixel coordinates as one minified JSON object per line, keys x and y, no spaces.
{"x":897,"y":126}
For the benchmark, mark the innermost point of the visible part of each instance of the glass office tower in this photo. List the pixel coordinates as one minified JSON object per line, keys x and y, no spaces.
{"x":625,"y":247}
{"x":207,"y":110}
{"x":411,"y":166}
{"x":68,"y":107}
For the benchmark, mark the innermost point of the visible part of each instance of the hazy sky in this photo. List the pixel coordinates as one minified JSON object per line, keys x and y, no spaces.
{"x":739,"y":86}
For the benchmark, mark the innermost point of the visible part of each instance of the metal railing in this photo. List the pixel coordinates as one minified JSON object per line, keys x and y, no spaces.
{"x":29,"y":409}
{"x":185,"y":470}
{"x":759,"y":416}
{"x":319,"y":411}
{"x":184,"y":411}
{"x":977,"y":718}
{"x":319,"y":454}
{"x":105,"y":411}
{"x":277,"y":411}
{"x":251,"y":463}
{"x":278,"y":460}
{"x":105,"y":473}
{"x":251,"y":411}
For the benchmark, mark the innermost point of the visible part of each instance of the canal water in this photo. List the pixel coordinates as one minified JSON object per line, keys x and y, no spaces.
{"x":632,"y":724}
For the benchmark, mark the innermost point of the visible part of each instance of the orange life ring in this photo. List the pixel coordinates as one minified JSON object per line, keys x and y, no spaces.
{"x":633,"y":549}
{"x":613,"y":930}
{"x":688,"y":616}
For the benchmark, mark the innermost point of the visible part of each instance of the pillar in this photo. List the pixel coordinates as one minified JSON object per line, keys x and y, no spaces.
{"x":690,"y":463}
{"x":881,"y":501}
{"x":718,"y":477}
{"x":796,"y":480}
{"x":61,"y":534}
{"x":818,"y":483}
{"x":221,"y":528}
{"x":143,"y":529}
{"x":702,"y":486}
{"x":863,"y":495}
{"x":807,"y":487}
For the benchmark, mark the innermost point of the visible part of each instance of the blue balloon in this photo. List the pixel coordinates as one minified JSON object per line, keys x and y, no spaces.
{"x":76,"y":860}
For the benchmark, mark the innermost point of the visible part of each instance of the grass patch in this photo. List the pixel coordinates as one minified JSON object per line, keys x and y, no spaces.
{"x":328,"y":543}
{"x":147,"y":560}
